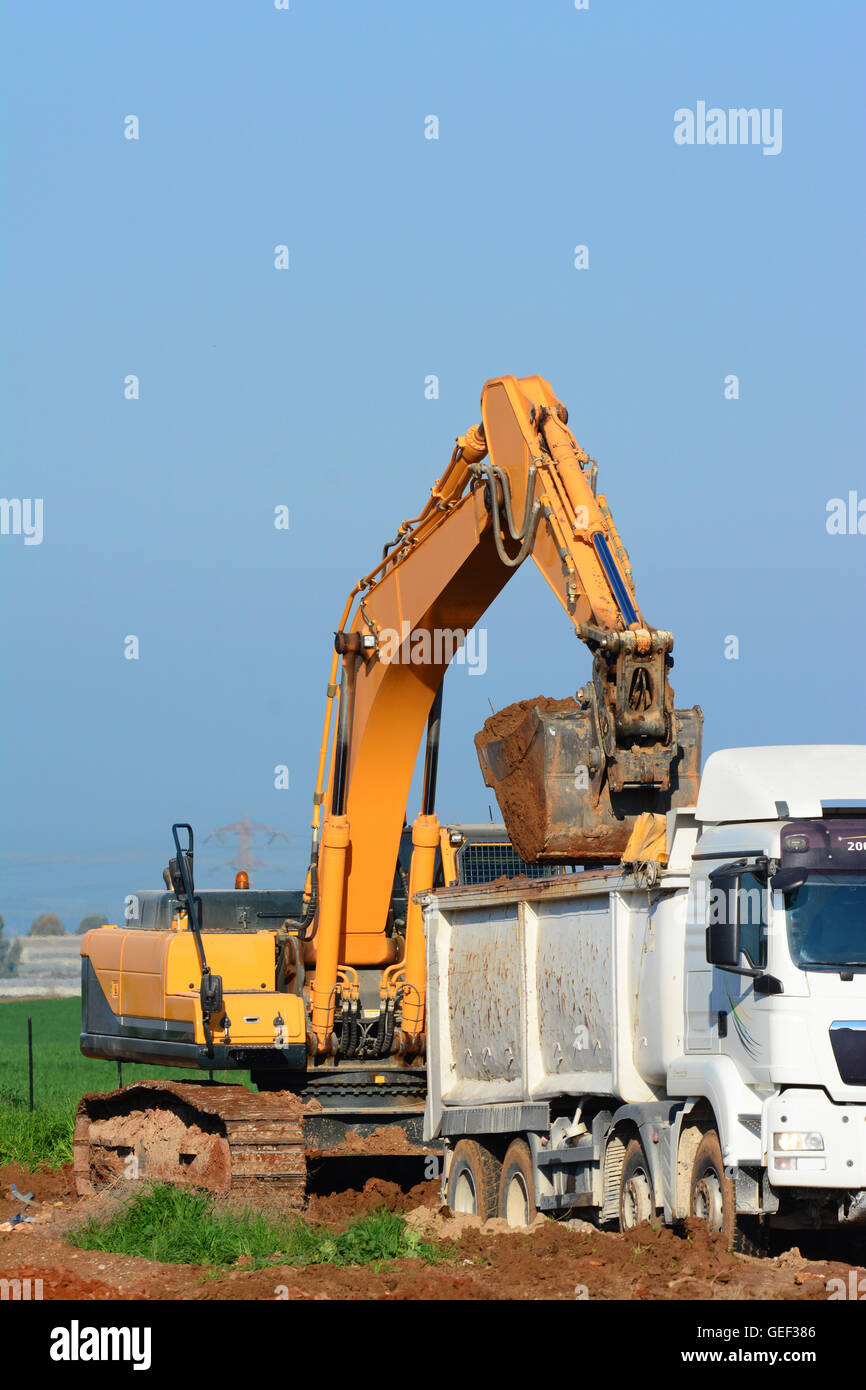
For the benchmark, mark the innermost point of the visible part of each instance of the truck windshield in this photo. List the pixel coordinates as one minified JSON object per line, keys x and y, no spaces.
{"x":826,"y":921}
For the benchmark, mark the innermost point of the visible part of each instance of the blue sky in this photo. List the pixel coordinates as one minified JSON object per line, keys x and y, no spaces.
{"x":305,"y":387}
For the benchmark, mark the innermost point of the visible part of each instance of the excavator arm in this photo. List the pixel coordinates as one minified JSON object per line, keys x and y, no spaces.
{"x":518,"y":485}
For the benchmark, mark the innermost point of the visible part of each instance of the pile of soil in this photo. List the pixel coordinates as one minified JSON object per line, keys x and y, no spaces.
{"x":338,"y":1209}
{"x":387,"y":1141}
{"x":505,"y":721}
{"x":50,"y":1190}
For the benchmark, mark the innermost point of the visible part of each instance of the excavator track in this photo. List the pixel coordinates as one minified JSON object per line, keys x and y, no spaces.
{"x":226,"y":1139}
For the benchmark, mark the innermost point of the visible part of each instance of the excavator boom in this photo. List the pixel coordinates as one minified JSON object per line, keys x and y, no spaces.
{"x":518,"y":485}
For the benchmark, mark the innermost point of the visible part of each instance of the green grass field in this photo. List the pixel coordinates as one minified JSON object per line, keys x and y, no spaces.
{"x":173,"y":1224}
{"x":61,"y":1076}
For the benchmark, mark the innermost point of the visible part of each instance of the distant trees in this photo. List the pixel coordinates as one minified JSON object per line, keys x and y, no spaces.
{"x":94,"y":919}
{"x":9,"y":953}
{"x":4,"y":950}
{"x":47,"y":924}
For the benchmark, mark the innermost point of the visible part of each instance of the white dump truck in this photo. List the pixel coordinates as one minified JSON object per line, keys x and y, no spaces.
{"x":683,"y":1036}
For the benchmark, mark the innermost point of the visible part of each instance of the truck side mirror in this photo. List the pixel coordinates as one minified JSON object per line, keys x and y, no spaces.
{"x":787,"y":879}
{"x":723,"y":944}
{"x":769,"y":984}
{"x":723,"y":937}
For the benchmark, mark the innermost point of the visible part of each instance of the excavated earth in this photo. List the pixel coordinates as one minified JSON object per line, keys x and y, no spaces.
{"x":552,"y":1260}
{"x":519,"y":801}
{"x":505,"y":721}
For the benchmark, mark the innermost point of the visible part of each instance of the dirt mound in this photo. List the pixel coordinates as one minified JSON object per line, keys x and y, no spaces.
{"x":505,"y":721}
{"x":388,"y":1141}
{"x":50,"y":1190}
{"x":445,"y":1224}
{"x":340,"y":1208}
{"x":555,"y":1262}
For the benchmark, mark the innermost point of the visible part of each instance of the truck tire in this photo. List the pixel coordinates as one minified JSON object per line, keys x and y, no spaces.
{"x":517,"y":1186}
{"x":636,"y":1201}
{"x":711,"y":1196}
{"x":713,"y":1201}
{"x":473,"y":1182}
{"x":751,"y":1237}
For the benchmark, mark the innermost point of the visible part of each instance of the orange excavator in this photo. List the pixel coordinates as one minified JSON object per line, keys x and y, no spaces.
{"x":320,"y":996}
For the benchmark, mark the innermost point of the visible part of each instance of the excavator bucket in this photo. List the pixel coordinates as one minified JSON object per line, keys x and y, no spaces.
{"x":544,"y":761}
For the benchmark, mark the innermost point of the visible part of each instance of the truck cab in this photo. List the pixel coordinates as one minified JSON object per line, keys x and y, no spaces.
{"x":775,"y":973}
{"x":679,"y":1036}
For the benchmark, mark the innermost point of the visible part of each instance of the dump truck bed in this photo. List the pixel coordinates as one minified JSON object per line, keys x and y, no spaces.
{"x":534,"y":991}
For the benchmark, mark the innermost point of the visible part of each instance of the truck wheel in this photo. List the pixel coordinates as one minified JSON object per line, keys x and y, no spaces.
{"x":713,"y":1201}
{"x":473,"y":1182}
{"x":517,"y":1186}
{"x":751,"y":1237}
{"x":636,"y":1202}
{"x":712,"y":1193}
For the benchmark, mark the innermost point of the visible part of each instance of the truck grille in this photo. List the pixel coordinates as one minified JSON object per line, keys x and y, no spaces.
{"x":483,"y":861}
{"x":849,"y":1048}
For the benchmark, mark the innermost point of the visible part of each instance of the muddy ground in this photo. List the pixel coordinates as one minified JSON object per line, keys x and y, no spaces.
{"x":554,"y":1260}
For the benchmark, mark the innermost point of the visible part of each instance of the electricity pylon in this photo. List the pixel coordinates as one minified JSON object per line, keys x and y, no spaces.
{"x":245,"y":830}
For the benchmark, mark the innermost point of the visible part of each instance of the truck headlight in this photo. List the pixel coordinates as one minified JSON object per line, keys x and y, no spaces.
{"x":796,"y":1140}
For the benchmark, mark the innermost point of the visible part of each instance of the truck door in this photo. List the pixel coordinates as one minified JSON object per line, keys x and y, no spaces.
{"x":741,"y":1022}
{"x":723,"y":1013}
{"x":699,"y":973}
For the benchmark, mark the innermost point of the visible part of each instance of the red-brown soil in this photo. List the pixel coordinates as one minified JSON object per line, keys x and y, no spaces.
{"x":516,"y":776}
{"x":505,"y":721}
{"x":61,"y":1285}
{"x":48,"y":1187}
{"x":554,"y":1260}
{"x":339,"y":1208}
{"x":387,"y":1140}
